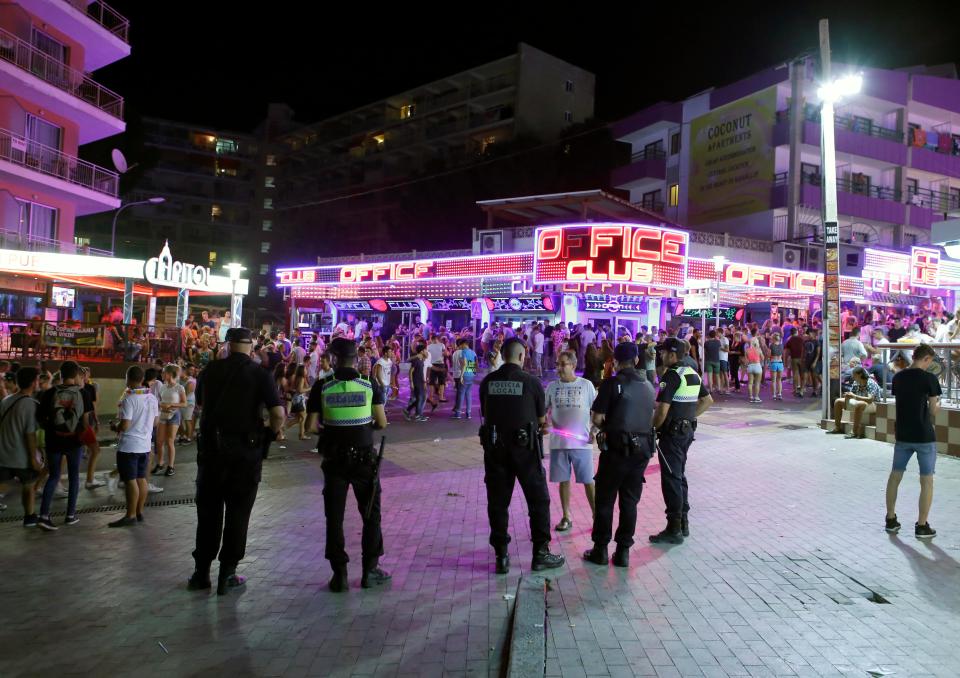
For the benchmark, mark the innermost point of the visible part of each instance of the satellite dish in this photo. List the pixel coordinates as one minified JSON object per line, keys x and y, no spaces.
{"x":119,"y":161}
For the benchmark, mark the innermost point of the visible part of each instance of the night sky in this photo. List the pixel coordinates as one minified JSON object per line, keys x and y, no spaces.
{"x":209,"y":63}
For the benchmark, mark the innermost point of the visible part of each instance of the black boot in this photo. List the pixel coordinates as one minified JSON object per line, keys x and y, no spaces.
{"x":621,"y":557}
{"x":544,"y":560}
{"x":503,"y":563}
{"x":597,"y":555}
{"x":338,"y":583}
{"x":200,"y":579}
{"x":228,"y":579}
{"x":684,"y":525}
{"x":373,"y":575}
{"x":670,"y":535}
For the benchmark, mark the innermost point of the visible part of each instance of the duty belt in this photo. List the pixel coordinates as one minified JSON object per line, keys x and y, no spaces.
{"x":353,"y":454}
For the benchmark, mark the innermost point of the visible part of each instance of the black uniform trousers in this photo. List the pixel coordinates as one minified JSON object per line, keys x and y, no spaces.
{"x":619,"y":476}
{"x":227,"y":482}
{"x":339,"y":473}
{"x":673,"y":478}
{"x":503,"y":466}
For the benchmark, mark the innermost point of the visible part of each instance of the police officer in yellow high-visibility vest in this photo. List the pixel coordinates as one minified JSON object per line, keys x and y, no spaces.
{"x":349,"y":408}
{"x":682,"y":398}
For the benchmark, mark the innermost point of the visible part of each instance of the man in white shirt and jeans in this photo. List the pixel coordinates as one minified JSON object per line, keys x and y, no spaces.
{"x":536,"y":342}
{"x":139,"y":412}
{"x":568,"y":402}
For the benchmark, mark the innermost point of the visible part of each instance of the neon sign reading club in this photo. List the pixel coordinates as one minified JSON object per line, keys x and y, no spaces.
{"x":617,"y":253}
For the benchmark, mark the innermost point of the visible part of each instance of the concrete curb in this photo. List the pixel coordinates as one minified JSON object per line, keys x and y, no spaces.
{"x":528,"y":629}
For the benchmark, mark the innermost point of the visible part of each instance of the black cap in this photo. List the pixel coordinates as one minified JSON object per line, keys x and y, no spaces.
{"x":673,"y":345}
{"x":625,"y":351}
{"x":239,"y":335}
{"x":343,"y":348}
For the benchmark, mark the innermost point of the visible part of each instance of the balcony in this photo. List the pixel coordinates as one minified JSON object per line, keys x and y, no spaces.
{"x":92,"y":188}
{"x":646,"y":166}
{"x":57,"y":87}
{"x":928,"y":160}
{"x":98,"y":28}
{"x":856,"y":136}
{"x":14,"y":240}
{"x":858,"y":199}
{"x":927,"y":206}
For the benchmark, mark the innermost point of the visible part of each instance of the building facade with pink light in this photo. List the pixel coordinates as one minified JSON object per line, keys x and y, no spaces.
{"x":50,"y":105}
{"x":730,"y":160}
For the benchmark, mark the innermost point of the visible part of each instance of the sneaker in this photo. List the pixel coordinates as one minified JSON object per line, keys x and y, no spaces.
{"x":456,"y":416}
{"x":95,"y":484}
{"x":46,"y":524}
{"x":422,"y":418}
{"x":924,"y":531}
{"x":3,"y":507}
{"x":71,"y":520}
{"x":157,"y":469}
{"x":893,"y":525}
{"x":30,"y":521}
{"x":170,"y":471}
{"x":60,"y":493}
{"x":406,"y":415}
{"x":153,"y":489}
{"x":123,"y":522}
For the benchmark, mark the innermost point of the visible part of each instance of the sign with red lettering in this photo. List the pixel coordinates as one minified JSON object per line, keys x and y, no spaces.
{"x":297,"y":276}
{"x":774,"y":278}
{"x":616,"y":253}
{"x":925,"y":266}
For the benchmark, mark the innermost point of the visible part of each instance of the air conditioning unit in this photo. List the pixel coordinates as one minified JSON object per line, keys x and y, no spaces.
{"x":814,"y":258}
{"x":786,"y":255}
{"x":490,"y":242}
{"x":851,"y":261}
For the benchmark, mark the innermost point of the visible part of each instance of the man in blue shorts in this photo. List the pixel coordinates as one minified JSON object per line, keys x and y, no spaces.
{"x":568,"y":401}
{"x":918,"y":401}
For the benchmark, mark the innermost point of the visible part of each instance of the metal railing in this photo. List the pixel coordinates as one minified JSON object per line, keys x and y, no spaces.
{"x":935,"y":200}
{"x":15,"y":240}
{"x":106,"y":16}
{"x":850,"y":123}
{"x":27,"y":57}
{"x":655,"y":153}
{"x":33,"y":155}
{"x":846,"y":186}
{"x":946,"y":366}
{"x":103,"y":342}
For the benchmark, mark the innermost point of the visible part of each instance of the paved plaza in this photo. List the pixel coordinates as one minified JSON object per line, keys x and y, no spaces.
{"x":788,"y":571}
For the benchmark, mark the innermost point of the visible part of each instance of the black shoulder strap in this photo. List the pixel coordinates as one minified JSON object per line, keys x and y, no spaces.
{"x":10,"y":409}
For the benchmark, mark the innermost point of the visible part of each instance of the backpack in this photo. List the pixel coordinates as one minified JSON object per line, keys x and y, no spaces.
{"x":63,"y":413}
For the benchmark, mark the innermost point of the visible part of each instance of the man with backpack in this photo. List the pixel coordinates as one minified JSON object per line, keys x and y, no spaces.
{"x":18,"y":440}
{"x":464,"y":370}
{"x":61,"y":415}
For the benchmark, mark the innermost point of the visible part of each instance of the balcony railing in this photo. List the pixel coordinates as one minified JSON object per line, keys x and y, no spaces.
{"x":655,"y":153}
{"x":935,"y":200}
{"x":27,"y":57}
{"x":848,"y":122}
{"x":652,"y":205}
{"x":846,"y":186}
{"x":106,"y":16}
{"x":32,"y":155}
{"x":15,"y":240}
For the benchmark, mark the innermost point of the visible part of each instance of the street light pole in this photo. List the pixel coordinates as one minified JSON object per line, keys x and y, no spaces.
{"x":718,"y":262}
{"x":113,"y":230}
{"x":829,"y":92}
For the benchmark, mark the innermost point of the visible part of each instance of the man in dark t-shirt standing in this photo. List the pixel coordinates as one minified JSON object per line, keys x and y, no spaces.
{"x":918,"y":400}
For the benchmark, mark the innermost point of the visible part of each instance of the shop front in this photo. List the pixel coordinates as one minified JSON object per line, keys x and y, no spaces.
{"x":102,"y":307}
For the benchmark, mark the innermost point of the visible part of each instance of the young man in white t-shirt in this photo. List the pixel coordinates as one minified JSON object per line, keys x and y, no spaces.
{"x":382,"y":370}
{"x":724,"y":364}
{"x":571,"y":438}
{"x":139,"y":414}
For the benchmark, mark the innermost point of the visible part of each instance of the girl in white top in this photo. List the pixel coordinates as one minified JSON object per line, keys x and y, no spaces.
{"x":173,"y":397}
{"x":189,"y":383}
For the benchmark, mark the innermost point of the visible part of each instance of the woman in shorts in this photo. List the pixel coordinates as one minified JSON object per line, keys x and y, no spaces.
{"x":173,"y":398}
{"x":189,"y":383}
{"x":775,"y":351}
{"x":754,"y":361}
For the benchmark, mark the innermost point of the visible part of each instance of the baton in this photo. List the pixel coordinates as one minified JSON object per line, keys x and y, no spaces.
{"x":376,"y":479}
{"x":660,"y":454}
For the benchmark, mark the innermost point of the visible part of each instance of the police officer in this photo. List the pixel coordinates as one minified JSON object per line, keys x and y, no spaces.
{"x":231,"y":446}
{"x":349,"y":408}
{"x":623,"y":411}
{"x":513,"y":406}
{"x":681,"y":400}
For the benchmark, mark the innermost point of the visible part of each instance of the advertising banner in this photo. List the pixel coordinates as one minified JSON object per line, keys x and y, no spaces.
{"x":731,"y":159}
{"x":72,"y":337}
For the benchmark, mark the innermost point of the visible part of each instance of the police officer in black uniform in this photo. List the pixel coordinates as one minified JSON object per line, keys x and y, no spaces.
{"x":681,"y":400}
{"x":231,"y":446}
{"x":623,"y":411}
{"x":513,"y":406}
{"x":349,"y":408}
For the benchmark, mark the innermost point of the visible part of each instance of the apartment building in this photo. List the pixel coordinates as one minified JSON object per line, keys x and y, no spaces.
{"x":728,"y":160}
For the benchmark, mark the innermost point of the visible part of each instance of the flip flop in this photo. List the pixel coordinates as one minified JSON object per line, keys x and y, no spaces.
{"x":564,"y":525}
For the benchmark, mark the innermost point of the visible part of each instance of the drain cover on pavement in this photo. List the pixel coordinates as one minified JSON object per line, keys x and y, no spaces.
{"x":794,"y":427}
